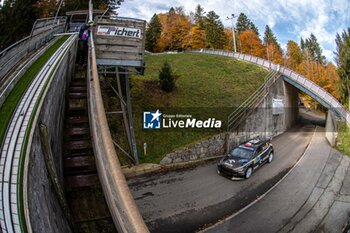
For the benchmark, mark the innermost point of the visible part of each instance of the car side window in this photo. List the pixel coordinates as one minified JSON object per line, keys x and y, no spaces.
{"x":259,"y":150}
{"x":265,"y":146}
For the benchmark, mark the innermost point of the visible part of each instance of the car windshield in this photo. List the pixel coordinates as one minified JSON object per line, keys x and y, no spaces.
{"x":241,"y":153}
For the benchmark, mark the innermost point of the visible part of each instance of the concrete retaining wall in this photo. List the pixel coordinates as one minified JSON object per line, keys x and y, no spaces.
{"x":207,"y":148}
{"x":331,"y":128}
{"x":261,"y":122}
{"x":45,"y":212}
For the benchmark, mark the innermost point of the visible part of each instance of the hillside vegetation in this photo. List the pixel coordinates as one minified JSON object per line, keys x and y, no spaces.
{"x":208,"y":86}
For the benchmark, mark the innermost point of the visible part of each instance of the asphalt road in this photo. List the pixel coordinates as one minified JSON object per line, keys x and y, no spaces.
{"x":184,"y":201}
{"x":310,"y":194}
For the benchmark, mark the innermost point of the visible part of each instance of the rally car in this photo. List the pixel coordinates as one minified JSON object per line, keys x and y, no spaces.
{"x":246,"y":158}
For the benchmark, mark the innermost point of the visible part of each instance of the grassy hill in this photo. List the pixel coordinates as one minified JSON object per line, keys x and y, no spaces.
{"x":208,"y":86}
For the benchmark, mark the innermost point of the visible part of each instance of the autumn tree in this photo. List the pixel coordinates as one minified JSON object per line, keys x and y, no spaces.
{"x":198,"y":39}
{"x":342,"y":58}
{"x":330,"y":80}
{"x":153,"y":33}
{"x":229,"y":39}
{"x":176,"y":30}
{"x":46,"y":8}
{"x":214,"y":31}
{"x":251,"y":44}
{"x":274,"y":51}
{"x":294,"y":56}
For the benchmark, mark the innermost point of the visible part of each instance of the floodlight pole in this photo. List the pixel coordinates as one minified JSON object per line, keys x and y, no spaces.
{"x":233,"y":32}
{"x":58,"y":10}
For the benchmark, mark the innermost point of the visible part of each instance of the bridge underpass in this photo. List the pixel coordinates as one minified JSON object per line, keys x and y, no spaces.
{"x":121,"y":205}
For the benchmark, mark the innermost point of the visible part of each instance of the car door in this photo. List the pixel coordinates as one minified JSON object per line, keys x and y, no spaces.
{"x":266,"y":151}
{"x":258,"y":156}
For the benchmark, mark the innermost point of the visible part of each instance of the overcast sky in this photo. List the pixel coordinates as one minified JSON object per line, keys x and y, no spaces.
{"x":289,"y":19}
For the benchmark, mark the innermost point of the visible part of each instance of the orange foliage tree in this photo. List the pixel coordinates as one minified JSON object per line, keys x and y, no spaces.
{"x":274,"y":54}
{"x":198,"y":37}
{"x":325,"y":76}
{"x":251,"y":44}
{"x":229,"y":39}
{"x":293,"y":56}
{"x":46,"y":8}
{"x":176,"y":31}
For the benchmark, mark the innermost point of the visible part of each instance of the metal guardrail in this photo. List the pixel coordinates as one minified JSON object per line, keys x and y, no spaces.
{"x":297,"y":78}
{"x":121,"y":204}
{"x":43,"y":30}
{"x":236,"y":117}
{"x":15,"y":144}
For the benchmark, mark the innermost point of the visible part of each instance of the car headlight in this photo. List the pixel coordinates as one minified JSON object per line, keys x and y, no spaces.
{"x":239,"y":169}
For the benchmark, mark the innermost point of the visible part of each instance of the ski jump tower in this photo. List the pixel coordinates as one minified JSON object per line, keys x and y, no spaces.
{"x":120,"y":47}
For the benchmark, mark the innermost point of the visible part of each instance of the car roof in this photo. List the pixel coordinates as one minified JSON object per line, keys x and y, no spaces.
{"x":252,"y":144}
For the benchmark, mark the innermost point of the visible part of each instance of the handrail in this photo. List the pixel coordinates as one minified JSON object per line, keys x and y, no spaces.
{"x":302,"y":81}
{"x":252,"y":102}
{"x":121,"y":204}
{"x":16,"y":147}
{"x":48,"y":23}
{"x":11,"y":55}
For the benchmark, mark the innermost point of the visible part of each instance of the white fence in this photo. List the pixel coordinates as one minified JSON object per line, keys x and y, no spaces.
{"x":297,"y":78}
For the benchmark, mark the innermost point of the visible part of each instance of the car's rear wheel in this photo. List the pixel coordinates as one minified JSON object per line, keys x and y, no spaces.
{"x":270,"y":158}
{"x":248,"y":173}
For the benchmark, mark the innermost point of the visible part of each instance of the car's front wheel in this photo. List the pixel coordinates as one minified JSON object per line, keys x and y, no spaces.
{"x":248,"y":173}
{"x":270,"y":158}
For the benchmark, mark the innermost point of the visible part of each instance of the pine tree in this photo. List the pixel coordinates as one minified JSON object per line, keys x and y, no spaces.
{"x":214,"y":30}
{"x":243,"y":24}
{"x":172,"y":11}
{"x":166,"y":78}
{"x":153,"y":33}
{"x":270,"y":38}
{"x":254,"y":28}
{"x":317,"y":51}
{"x":342,"y":58}
{"x":273,"y":49}
{"x":314,"y":48}
{"x":199,"y":15}
{"x":302,"y":44}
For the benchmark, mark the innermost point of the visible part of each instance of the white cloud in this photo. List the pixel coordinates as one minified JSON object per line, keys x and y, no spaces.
{"x":328,"y":54}
{"x":290,"y":19}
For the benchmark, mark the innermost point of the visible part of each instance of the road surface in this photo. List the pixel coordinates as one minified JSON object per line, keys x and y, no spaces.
{"x":314,"y":197}
{"x":186,"y":200}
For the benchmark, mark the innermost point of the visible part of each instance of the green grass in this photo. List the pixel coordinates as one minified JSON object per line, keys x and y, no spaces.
{"x":343,"y":141}
{"x":208,"y":86}
{"x":15,"y":95}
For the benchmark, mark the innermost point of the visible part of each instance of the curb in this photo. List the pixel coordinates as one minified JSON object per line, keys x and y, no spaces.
{"x":150,"y":168}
